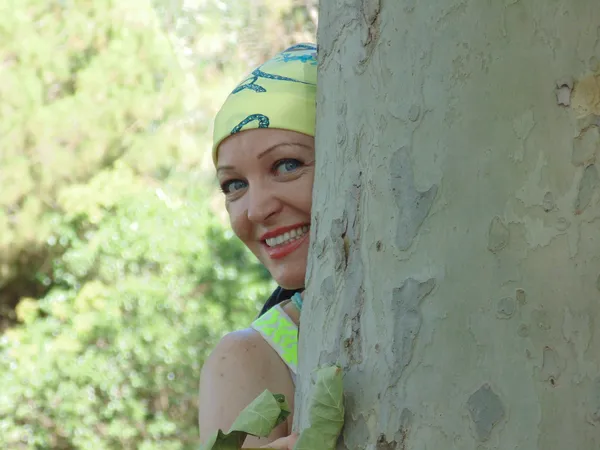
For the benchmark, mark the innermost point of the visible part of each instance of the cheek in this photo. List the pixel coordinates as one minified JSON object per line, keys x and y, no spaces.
{"x":239,"y":224}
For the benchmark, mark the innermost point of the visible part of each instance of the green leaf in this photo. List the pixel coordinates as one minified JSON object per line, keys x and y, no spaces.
{"x":222,"y":441}
{"x":262,"y":415}
{"x":326,"y":412}
{"x":258,"y":419}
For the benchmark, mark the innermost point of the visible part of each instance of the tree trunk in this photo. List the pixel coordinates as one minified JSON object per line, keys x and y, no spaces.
{"x":455,"y":259}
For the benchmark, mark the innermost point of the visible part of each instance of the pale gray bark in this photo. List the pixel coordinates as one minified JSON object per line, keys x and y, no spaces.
{"x":455,"y":257}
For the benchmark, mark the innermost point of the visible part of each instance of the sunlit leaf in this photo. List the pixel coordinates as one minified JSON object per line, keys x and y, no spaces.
{"x":326,"y":412}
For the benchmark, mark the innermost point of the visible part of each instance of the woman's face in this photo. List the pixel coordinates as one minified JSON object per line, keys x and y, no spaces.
{"x":267,"y":177}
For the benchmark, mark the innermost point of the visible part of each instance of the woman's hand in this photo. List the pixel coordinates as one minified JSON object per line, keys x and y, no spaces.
{"x":286,"y":443}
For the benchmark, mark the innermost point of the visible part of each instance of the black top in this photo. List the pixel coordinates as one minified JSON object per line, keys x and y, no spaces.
{"x":279,"y":295}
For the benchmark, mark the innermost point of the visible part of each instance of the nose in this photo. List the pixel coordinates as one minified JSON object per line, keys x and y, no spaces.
{"x":263,"y":203}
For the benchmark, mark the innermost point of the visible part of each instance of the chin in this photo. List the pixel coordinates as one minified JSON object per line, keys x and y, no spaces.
{"x":288,"y":274}
{"x":290,"y":281}
{"x":291,"y":284}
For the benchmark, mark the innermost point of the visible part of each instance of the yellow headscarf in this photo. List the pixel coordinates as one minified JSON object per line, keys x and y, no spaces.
{"x":281,"y":93}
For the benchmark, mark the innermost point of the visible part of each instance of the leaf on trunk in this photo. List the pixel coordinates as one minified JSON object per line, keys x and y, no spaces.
{"x":326,"y":412}
{"x":258,"y":419}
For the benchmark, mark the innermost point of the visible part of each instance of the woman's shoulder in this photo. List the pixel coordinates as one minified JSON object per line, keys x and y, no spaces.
{"x":242,"y":345}
{"x":245,"y":358}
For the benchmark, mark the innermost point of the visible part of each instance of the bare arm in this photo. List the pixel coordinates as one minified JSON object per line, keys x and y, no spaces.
{"x":286,"y":443}
{"x":240,"y":368}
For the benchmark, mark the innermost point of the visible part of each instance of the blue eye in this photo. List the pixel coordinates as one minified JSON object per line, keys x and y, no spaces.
{"x":286,"y":166}
{"x":232,"y":186}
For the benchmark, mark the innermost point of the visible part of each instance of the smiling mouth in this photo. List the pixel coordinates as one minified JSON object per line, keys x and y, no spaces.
{"x":280,"y":246}
{"x":287,"y":237}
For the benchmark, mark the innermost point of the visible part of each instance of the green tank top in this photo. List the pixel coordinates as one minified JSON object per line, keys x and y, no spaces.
{"x":281,"y":333}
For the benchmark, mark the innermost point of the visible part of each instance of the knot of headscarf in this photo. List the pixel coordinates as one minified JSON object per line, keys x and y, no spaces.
{"x":280,"y":93}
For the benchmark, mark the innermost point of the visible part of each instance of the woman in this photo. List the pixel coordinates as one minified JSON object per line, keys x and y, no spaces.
{"x":264,"y":153}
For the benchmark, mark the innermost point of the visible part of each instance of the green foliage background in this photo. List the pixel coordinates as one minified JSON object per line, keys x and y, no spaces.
{"x":117,"y":270}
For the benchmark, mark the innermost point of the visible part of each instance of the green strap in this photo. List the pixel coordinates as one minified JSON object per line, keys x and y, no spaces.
{"x":281,"y":333}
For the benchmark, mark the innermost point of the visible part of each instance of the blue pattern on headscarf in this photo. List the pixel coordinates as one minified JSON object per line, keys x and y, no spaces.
{"x":256,"y":74}
{"x":285,"y":56}
{"x":297,"y":47}
{"x":263,"y":122}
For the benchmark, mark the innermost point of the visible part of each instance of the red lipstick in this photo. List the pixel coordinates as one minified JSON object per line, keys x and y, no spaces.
{"x":281,"y":251}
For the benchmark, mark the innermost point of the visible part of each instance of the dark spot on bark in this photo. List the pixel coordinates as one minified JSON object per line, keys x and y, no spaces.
{"x":346,"y":250}
{"x":414,"y":112}
{"x":401,"y":436}
{"x":353,"y":344}
{"x":587,"y":186}
{"x":383,"y":444}
{"x":548,"y":202}
{"x":498,"y":235}
{"x":413,"y":206}
{"x":406,"y":307}
{"x":552,"y":366}
{"x":338,"y":235}
{"x":378,"y":246}
{"x":486,"y":411}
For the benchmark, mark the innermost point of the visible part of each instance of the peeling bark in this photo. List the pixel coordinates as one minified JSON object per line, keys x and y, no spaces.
{"x":455,"y":246}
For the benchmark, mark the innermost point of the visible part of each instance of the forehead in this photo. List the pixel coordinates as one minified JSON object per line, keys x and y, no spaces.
{"x":251,"y":143}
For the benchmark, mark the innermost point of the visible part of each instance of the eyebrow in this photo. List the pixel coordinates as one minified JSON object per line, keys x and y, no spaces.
{"x":267,"y":151}
{"x":282,"y":144}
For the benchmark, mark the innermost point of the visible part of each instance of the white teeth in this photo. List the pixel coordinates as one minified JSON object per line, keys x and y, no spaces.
{"x":288,"y":236}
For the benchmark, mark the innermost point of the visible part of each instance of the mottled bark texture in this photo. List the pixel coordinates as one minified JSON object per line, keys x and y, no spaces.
{"x":455,"y":265}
